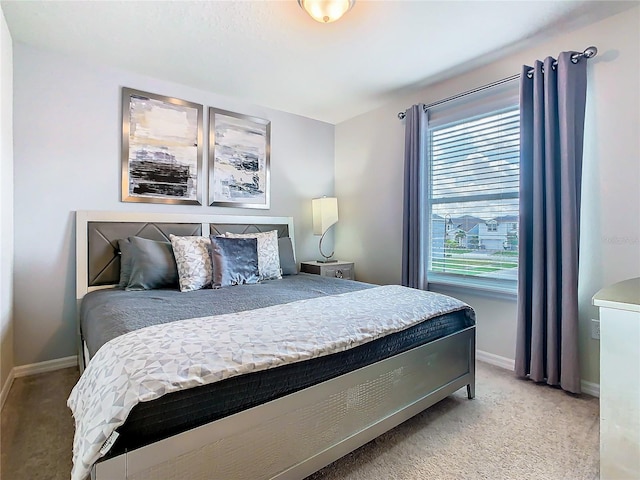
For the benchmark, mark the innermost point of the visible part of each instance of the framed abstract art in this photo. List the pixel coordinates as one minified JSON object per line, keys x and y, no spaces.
{"x":239,"y":152}
{"x":161,"y":149}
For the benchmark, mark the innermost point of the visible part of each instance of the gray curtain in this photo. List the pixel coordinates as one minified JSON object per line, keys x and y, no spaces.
{"x":415,"y":224}
{"x":552,"y":106}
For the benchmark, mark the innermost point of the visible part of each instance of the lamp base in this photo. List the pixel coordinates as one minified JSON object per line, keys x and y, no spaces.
{"x":327,"y":260}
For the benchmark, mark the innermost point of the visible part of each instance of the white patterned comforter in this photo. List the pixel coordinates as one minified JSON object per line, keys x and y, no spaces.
{"x":145,"y":364}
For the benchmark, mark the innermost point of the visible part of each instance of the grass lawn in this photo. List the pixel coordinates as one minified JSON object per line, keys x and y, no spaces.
{"x":471,"y":266}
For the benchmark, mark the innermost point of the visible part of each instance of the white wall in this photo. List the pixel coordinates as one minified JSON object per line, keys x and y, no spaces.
{"x":6,"y":201}
{"x":369,"y":178}
{"x":67,"y":158}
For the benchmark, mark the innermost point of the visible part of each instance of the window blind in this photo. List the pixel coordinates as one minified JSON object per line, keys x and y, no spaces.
{"x":473,"y":197}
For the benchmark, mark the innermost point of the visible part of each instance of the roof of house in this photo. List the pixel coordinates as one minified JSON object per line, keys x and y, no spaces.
{"x":506,"y":218}
{"x":466,"y":222}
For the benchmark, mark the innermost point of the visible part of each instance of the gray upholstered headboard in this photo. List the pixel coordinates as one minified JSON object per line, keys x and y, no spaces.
{"x":103,"y":254}
{"x":97,"y":235}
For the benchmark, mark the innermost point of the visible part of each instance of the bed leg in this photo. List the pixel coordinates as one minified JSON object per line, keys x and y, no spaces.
{"x":471,"y":386}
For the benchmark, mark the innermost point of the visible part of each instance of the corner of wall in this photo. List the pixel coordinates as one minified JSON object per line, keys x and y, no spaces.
{"x":6,"y":387}
{"x":6,"y":208}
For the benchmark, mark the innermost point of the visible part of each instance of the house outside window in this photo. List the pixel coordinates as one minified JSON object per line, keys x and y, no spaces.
{"x":473,"y":154}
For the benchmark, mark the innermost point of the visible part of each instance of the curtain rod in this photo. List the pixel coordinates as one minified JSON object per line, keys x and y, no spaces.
{"x":589,"y":52}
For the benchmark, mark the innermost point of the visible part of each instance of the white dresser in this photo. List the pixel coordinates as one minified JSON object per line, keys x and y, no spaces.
{"x":619,"y":380}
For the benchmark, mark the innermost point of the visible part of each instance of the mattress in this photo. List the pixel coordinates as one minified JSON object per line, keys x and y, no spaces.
{"x":109,"y":313}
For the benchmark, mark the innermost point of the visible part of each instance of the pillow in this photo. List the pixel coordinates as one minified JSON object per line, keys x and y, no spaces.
{"x":268,"y":257}
{"x":235,"y":261}
{"x":193,"y":261}
{"x":287,"y":261}
{"x":124,"y":246}
{"x":152,"y":265}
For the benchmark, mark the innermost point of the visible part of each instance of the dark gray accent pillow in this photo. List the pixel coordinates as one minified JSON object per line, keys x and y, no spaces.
{"x":287,"y":260}
{"x":235,"y":261}
{"x":152,"y":265}
{"x":124,"y":246}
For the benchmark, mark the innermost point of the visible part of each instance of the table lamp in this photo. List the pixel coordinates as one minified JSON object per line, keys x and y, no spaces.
{"x":325,"y":214}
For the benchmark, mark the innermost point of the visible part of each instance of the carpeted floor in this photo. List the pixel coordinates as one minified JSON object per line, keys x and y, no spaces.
{"x":37,"y":427}
{"x":513,"y":429}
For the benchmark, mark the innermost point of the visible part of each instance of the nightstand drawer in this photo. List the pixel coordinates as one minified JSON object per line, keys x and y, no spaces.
{"x":337,"y":269}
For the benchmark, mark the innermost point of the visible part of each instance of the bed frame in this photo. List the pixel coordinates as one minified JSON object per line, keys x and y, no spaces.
{"x":292,"y":436}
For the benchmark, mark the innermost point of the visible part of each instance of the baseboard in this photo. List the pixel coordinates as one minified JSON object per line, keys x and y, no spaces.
{"x":43,"y":367}
{"x":4,"y":393}
{"x":33,"y":369}
{"x":496,"y":360}
{"x":589,"y":388}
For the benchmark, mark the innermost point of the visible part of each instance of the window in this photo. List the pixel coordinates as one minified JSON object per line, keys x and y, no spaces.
{"x":473,"y":195}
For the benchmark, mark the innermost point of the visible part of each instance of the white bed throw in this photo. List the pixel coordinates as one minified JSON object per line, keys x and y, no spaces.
{"x":145,"y":364}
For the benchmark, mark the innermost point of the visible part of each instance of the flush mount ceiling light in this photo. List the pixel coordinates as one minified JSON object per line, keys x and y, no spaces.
{"x":326,"y":11}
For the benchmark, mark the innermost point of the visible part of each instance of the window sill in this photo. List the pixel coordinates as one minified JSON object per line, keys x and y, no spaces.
{"x":501,"y":291}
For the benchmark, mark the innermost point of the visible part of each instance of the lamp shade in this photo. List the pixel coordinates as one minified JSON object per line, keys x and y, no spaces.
{"x":326,"y":11}
{"x":325,"y":213}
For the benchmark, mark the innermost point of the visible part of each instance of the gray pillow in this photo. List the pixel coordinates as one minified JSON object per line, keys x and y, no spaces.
{"x":287,"y":260}
{"x":152,"y":265}
{"x":235,"y":261}
{"x":124,"y":246}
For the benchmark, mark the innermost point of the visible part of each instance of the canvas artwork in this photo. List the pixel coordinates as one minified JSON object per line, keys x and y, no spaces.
{"x":239,"y":149}
{"x":161,"y":149}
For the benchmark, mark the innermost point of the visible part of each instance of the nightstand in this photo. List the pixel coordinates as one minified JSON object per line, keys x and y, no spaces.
{"x":339,"y":269}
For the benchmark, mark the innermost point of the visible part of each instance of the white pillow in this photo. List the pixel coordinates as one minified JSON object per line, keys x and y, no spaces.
{"x":193,"y":261}
{"x":268,"y":256}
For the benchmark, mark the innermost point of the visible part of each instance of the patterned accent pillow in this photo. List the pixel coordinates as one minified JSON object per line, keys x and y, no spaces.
{"x":193,"y":261}
{"x":268,"y":256}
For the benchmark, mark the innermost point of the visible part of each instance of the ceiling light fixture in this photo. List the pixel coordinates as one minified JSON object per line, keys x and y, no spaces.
{"x":326,"y":11}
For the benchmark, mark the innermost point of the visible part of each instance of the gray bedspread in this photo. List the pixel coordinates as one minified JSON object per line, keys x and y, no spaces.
{"x":106,"y":314}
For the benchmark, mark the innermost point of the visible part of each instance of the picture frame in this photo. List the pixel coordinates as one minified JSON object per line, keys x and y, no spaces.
{"x":161,"y":149}
{"x":239,"y":160}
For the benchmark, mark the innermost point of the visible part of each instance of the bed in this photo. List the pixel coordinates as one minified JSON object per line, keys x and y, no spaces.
{"x":298,"y":417}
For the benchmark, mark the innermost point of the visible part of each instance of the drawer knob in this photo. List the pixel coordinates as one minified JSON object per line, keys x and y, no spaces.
{"x":339,"y":273}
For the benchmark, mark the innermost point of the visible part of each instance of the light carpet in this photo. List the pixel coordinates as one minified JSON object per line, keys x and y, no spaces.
{"x":513,"y":429}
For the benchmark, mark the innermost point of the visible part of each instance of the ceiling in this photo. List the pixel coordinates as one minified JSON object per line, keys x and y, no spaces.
{"x":271,"y":53}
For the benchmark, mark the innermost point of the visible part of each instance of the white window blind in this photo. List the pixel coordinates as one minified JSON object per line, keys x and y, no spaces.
{"x":473,"y":198}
